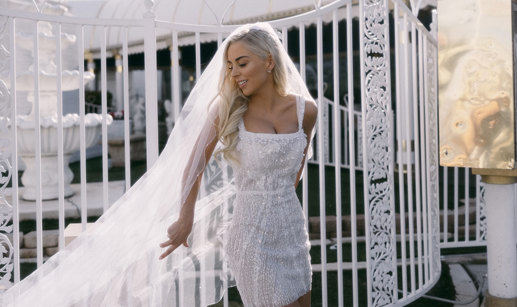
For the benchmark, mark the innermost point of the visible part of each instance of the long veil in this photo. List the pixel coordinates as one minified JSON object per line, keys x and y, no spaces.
{"x":115,"y":263}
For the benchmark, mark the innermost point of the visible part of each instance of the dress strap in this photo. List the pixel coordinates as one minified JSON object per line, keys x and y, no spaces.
{"x":241,"y":124}
{"x":300,"y":106}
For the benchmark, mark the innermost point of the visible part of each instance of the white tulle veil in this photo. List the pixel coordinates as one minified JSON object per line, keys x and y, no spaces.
{"x":115,"y":263}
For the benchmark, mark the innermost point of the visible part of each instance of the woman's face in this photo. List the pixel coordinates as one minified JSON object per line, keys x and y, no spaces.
{"x":247,"y":70}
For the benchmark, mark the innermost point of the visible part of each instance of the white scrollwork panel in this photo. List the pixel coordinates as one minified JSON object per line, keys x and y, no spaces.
{"x":433,"y":190}
{"x":482,"y":213}
{"x":6,"y":211}
{"x":377,"y":153}
{"x":6,"y":227}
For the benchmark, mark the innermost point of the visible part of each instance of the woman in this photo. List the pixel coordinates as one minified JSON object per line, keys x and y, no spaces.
{"x":262,"y":113}
{"x":266,"y":132}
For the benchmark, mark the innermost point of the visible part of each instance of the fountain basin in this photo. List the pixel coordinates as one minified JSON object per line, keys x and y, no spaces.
{"x":49,"y":151}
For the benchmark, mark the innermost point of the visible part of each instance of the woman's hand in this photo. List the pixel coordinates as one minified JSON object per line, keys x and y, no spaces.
{"x":178,"y":233}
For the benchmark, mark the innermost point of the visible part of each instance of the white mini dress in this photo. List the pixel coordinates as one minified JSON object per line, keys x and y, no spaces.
{"x":268,"y":245}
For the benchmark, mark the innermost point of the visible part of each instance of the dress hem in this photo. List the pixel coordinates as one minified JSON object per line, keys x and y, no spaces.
{"x":292,"y":300}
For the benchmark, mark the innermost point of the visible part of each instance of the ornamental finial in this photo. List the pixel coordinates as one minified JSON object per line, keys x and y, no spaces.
{"x":149,"y":6}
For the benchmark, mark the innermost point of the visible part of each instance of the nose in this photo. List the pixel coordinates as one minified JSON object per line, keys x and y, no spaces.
{"x":235,"y":71}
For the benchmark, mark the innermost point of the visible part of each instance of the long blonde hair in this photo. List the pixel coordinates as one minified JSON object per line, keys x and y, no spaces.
{"x":233,"y":103}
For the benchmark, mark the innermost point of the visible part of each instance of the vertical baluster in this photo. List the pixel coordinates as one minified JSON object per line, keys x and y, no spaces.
{"x":445,"y":205}
{"x":305,"y":174}
{"x":337,"y":155}
{"x":82,"y":128}
{"x":203,"y":191}
{"x":456,"y":199}
{"x":416,"y":149}
{"x":424,"y":144}
{"x":351,"y":133}
{"x":37,"y":147}
{"x":321,"y":161}
{"x":467,"y":204}
{"x":14,"y":152}
{"x":478,"y":208}
{"x":127,"y":139}
{"x":60,"y":153}
{"x":176,"y":80}
{"x":198,"y":56}
{"x":284,"y":38}
{"x":402,"y":206}
{"x":408,"y":158}
{"x":151,"y":85}
{"x":104,"y":112}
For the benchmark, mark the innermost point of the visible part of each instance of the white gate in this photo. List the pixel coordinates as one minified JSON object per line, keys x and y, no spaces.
{"x":371,"y":191}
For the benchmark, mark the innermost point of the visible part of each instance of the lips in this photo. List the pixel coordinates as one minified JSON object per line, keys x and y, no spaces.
{"x":242,"y":83}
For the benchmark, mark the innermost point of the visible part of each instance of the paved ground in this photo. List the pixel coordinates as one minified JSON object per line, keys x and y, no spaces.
{"x":468,"y":273}
{"x":72,"y":205}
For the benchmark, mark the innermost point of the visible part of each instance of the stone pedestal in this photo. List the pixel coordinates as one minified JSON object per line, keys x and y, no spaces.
{"x":136,"y":152}
{"x":49,"y":177}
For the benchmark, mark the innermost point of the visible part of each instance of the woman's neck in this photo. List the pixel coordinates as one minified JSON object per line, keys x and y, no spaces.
{"x":266,"y":98}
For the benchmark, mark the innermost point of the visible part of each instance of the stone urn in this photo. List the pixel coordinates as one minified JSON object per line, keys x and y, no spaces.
{"x":49,"y":151}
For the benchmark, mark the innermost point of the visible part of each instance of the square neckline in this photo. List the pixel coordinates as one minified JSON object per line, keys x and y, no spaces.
{"x":298,"y":98}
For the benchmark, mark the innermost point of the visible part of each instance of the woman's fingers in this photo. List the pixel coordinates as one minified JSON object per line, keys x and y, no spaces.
{"x":177,"y":235}
{"x":164,"y":244}
{"x":172,"y":246}
{"x":168,"y":252}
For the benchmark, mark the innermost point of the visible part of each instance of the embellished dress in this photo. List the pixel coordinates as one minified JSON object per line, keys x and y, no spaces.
{"x":268,"y":245}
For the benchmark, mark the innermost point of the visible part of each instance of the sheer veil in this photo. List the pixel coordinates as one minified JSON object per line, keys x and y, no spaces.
{"x":115,"y":263}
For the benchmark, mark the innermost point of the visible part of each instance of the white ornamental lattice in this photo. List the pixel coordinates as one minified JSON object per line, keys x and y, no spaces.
{"x":482,"y":213}
{"x":378,"y":154}
{"x":432,"y":132}
{"x":6,"y":210}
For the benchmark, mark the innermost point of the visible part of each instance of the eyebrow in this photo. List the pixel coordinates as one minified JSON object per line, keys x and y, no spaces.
{"x":241,"y":57}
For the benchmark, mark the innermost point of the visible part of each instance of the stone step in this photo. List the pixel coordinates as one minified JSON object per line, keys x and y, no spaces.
{"x":346,"y":222}
{"x":50,"y":239}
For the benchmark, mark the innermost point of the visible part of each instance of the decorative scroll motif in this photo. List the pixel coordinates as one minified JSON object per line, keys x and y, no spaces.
{"x":149,"y":6}
{"x":482,"y":213}
{"x":433,"y":187}
{"x":214,"y":176}
{"x":377,"y":152}
{"x":6,"y":211}
{"x":6,"y":227}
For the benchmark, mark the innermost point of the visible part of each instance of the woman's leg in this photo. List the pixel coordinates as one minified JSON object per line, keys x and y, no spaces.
{"x":305,"y":300}
{"x":302,"y":301}
{"x":293,"y":304}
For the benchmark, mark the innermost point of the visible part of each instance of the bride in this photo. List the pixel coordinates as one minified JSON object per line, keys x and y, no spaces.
{"x":247,"y":228}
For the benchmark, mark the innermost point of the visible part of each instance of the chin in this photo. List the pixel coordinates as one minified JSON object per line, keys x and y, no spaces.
{"x":247,"y":93}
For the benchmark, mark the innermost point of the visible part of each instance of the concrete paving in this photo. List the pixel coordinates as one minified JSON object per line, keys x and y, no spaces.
{"x":72,"y":205}
{"x":468,"y":273}
{"x":465,"y":287}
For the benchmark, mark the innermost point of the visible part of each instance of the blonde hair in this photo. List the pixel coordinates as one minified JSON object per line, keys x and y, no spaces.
{"x":233,"y":104}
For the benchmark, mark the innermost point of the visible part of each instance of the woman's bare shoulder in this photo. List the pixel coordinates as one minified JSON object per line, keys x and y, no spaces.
{"x":310,"y":114}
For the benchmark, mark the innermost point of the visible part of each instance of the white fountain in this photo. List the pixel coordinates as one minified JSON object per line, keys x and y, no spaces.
{"x":48,"y":107}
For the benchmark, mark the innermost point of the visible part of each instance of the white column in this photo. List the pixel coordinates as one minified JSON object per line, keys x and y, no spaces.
{"x":501,"y":248}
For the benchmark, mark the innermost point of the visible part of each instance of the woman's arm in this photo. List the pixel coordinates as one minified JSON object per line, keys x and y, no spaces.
{"x":179,"y":231}
{"x":309,"y":120}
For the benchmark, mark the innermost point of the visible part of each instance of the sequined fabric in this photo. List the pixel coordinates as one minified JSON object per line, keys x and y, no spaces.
{"x":268,"y":245}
